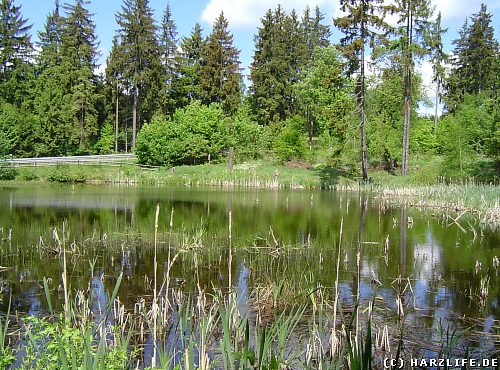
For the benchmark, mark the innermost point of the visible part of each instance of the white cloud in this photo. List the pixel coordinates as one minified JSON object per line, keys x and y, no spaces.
{"x":246,"y":14}
{"x":458,"y":10}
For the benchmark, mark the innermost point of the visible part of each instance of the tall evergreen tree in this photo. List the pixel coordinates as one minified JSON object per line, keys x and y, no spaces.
{"x":221,"y":72}
{"x":50,"y":40}
{"x":15,"y":49}
{"x":79,"y":60}
{"x":474,"y":60}
{"x":413,"y":31}
{"x":438,"y":60}
{"x":281,"y":51}
{"x":361,"y":24}
{"x":188,"y":87}
{"x":143,"y":67}
{"x":315,"y":32}
{"x":169,"y":58}
{"x":52,"y":84}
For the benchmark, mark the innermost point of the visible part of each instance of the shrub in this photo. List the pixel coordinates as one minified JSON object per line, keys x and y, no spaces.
{"x":291,"y":142}
{"x":246,"y":136}
{"x":7,"y":172}
{"x":65,"y":174}
{"x":27,"y":174}
{"x":194,"y":134}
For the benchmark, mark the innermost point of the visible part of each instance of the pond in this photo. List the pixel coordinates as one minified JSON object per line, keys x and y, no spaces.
{"x":273,"y":237}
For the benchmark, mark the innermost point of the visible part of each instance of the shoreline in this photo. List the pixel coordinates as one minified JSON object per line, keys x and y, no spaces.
{"x":482,"y":201}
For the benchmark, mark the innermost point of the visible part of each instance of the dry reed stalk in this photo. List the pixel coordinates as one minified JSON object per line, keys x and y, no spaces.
{"x":155,"y":310}
{"x":335,"y":341}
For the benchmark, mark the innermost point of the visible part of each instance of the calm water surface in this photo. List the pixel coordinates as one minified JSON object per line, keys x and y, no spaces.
{"x":275,"y":236}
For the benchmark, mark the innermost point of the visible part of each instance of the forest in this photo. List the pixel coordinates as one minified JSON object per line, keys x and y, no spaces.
{"x":352,"y":103}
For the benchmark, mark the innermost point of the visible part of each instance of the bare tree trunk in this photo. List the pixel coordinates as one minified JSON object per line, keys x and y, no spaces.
{"x":407,"y":94}
{"x":134,"y":115}
{"x":116,"y":124}
{"x":403,"y":238}
{"x":364,"y":158}
{"x":436,"y":107}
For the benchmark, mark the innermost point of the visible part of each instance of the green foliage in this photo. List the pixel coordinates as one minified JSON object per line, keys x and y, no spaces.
{"x":66,"y":174}
{"x":291,"y":142}
{"x":221,"y":81}
{"x":9,"y":124}
{"x":106,"y":142}
{"x":475,"y":60}
{"x":246,"y":135}
{"x":7,"y":172}
{"x":15,"y":48}
{"x":55,"y":345}
{"x":423,"y":138}
{"x":469,"y":132}
{"x":188,"y":84}
{"x":325,"y":94}
{"x":280,"y":53}
{"x":194,"y":134}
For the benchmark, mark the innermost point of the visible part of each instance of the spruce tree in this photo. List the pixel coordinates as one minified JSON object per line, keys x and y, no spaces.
{"x":188,"y":86}
{"x":79,"y":61}
{"x":169,"y":59}
{"x":143,"y":69}
{"x":315,"y":32}
{"x":15,"y":50}
{"x":474,"y":60}
{"x":50,"y":40}
{"x":52,"y":84}
{"x":221,"y":72}
{"x":360,"y":27}
{"x":281,"y":52}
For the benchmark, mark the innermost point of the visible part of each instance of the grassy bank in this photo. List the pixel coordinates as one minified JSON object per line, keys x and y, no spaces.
{"x":423,"y":187}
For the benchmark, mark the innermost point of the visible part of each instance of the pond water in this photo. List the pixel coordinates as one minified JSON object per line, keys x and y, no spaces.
{"x":274,"y":236}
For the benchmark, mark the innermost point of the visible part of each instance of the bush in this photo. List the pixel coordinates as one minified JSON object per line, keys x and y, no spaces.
{"x":65,"y":174}
{"x":7,"y":172}
{"x":246,"y":136}
{"x":291,"y":142}
{"x":195,"y":134}
{"x":27,"y":174}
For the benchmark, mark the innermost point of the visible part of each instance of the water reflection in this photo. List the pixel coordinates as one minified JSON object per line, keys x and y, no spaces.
{"x":246,"y":238}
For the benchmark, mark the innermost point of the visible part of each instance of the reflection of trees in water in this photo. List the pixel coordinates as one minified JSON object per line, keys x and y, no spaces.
{"x":293,"y":216}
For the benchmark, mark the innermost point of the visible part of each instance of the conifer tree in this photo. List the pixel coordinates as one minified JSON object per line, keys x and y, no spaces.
{"x":474,"y":60}
{"x":15,"y":49}
{"x":221,"y":72}
{"x":143,"y":67}
{"x":188,"y":87}
{"x":169,"y":58}
{"x":315,"y":32}
{"x":50,"y":40}
{"x":360,"y":26}
{"x":281,"y":52}
{"x":79,"y":61}
{"x":52,"y":125}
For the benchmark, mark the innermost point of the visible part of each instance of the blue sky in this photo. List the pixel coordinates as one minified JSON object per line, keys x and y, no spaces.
{"x":244,"y":18}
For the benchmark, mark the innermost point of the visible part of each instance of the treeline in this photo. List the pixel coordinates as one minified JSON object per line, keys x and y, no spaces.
{"x":181,"y":100}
